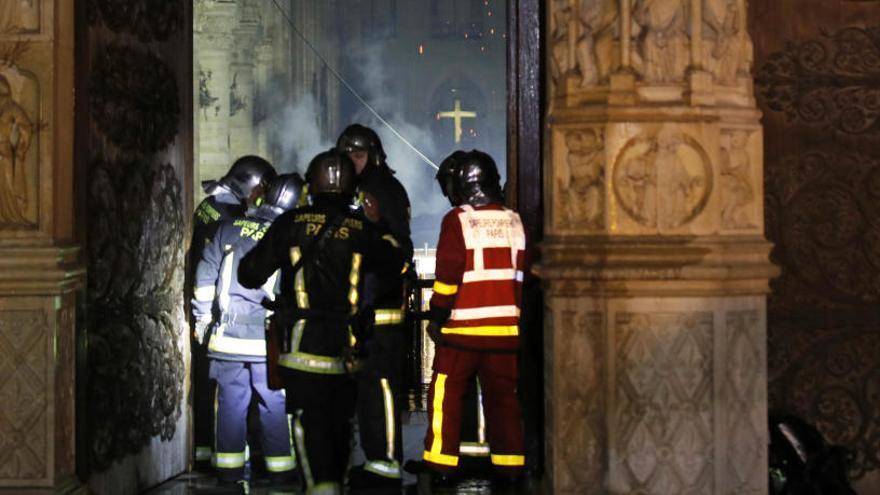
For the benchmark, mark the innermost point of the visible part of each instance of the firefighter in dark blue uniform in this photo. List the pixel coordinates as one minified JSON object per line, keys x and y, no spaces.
{"x":228,"y":197}
{"x":230,"y":320}
{"x":380,"y":387}
{"x":323,"y":251}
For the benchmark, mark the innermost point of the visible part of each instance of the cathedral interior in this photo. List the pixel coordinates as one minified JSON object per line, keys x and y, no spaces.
{"x":697,"y":177}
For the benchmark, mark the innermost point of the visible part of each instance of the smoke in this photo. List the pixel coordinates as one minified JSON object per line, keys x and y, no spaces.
{"x":412,"y":171}
{"x":297,"y":134}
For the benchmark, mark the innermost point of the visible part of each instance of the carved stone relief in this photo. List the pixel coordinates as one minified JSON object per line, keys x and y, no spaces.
{"x":663,"y":39}
{"x":819,"y":219}
{"x":672,"y":166}
{"x":581,"y":183}
{"x":729,"y":44}
{"x":149,"y":20}
{"x":135,"y":292}
{"x":829,"y":81}
{"x":583,"y":41}
{"x":743,"y":388}
{"x":664,"y":425}
{"x":135,"y":100}
{"x":23,"y":388}
{"x":738,"y":195}
{"x":19,"y":17}
{"x":582,"y":401}
{"x":19,"y":161}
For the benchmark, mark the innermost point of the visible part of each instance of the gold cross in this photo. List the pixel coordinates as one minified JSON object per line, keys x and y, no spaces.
{"x":456,"y":115}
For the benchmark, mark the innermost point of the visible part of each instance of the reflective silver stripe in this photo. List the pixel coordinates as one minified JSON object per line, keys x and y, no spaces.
{"x":492,"y":274}
{"x":205,"y":294}
{"x":269,"y":286}
{"x":388,"y":401}
{"x":203,"y":453}
{"x":280,"y":463}
{"x":388,"y":316}
{"x":383,"y":468}
{"x":325,"y":488}
{"x":229,"y":460}
{"x":509,"y":310}
{"x":226,"y":278}
{"x":481,"y":418}
{"x":312,"y":363}
{"x":300,"y":436}
{"x":474,"y":449}
{"x":233,"y":345}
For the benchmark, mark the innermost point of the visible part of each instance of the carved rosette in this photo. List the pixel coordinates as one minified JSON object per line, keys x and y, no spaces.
{"x":663,"y":181}
{"x":134,"y":99}
{"x":829,"y":81}
{"x":135,"y":299}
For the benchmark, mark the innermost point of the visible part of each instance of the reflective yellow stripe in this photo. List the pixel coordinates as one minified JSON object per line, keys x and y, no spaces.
{"x":388,"y":316}
{"x":312,"y":363}
{"x":229,"y":460}
{"x":391,"y":240}
{"x":508,"y":460}
{"x":299,"y":283}
{"x":389,"y":418}
{"x":279,"y":464}
{"x":444,"y":289}
{"x":442,"y":459}
{"x":354,"y":278}
{"x":205,"y":294}
{"x":487,"y":331}
{"x":300,"y":435}
{"x":434,"y":455}
{"x":232,"y":345}
{"x":325,"y":488}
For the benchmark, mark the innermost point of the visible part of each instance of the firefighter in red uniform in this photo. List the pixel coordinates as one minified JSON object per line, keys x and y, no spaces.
{"x":474,"y":320}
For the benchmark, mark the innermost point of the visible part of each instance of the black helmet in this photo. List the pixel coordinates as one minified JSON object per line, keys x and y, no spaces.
{"x":361,"y":138}
{"x":477,"y":182}
{"x":446,"y":176}
{"x":331,"y":172}
{"x":246,"y":174}
{"x":282,"y":195}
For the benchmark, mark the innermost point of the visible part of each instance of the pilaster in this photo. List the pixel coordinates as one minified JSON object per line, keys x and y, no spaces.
{"x":654,"y":261}
{"x":39,"y":271}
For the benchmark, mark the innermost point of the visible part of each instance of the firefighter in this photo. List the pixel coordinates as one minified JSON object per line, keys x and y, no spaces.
{"x":236,"y":342}
{"x":474,"y":317}
{"x":379,"y":382}
{"x":229,"y":197}
{"x":323,"y":251}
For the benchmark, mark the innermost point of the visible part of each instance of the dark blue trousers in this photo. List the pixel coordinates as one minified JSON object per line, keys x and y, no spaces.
{"x":237,"y":382}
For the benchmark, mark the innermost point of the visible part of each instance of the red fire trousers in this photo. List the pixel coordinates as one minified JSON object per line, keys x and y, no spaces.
{"x":453,"y":368}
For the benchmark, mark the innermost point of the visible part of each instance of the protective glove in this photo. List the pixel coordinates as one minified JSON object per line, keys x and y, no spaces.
{"x":434,"y":333}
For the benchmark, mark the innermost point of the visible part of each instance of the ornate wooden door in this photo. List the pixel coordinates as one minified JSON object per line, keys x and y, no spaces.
{"x":817,"y":76}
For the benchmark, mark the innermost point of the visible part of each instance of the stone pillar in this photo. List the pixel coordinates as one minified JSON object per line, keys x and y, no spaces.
{"x":263,"y":73}
{"x":654,"y":259}
{"x":242,"y":91}
{"x":38,"y":268}
{"x":215,"y":23}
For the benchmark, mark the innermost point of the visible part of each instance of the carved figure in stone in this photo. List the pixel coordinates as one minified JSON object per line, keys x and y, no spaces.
{"x":16,"y":131}
{"x":237,"y":101}
{"x":637,"y":185}
{"x":731,"y":48}
{"x":205,"y":97}
{"x":582,"y":184}
{"x":582,"y":44}
{"x":19,"y":16}
{"x":664,"y":39}
{"x":680,"y":187}
{"x":737,"y":192}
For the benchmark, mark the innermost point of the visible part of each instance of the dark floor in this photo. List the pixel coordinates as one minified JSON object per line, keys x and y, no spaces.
{"x":204,"y":484}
